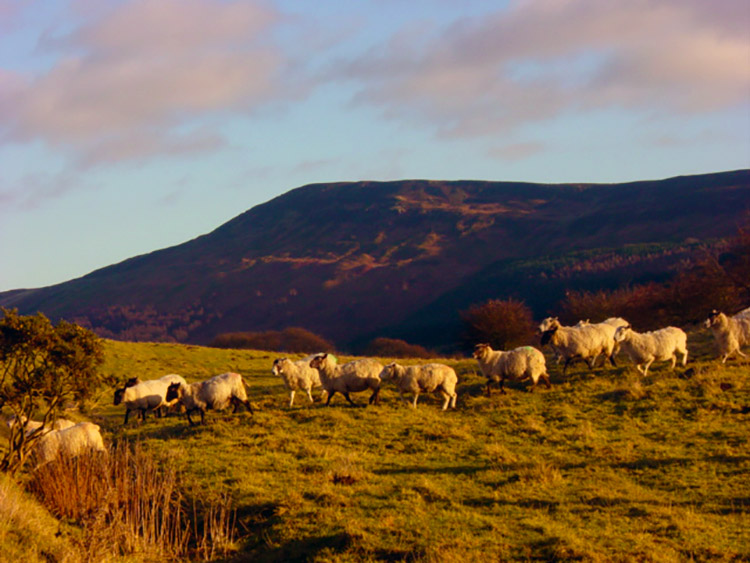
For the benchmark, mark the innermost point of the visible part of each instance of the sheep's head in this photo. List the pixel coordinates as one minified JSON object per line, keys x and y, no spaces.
{"x":546,"y":324}
{"x":388,"y":372}
{"x":714,"y":318}
{"x":118,"y":395}
{"x":481,"y":351}
{"x":174,"y":391}
{"x":278,"y":366}
{"x":132,"y":382}
{"x":623,"y":332}
{"x":318,"y":361}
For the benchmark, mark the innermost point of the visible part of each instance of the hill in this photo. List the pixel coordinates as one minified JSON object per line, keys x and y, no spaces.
{"x":353,"y":260}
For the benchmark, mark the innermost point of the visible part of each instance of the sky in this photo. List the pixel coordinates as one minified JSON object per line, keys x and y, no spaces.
{"x":133,"y":125}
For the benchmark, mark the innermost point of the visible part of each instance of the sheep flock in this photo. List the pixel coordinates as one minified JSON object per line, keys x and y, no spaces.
{"x":584,"y":341}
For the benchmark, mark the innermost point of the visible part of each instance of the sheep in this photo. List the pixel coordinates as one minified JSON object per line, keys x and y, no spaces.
{"x":297,"y":375}
{"x":425,"y":378}
{"x":586,"y":342}
{"x":215,"y":393}
{"x":525,"y":362}
{"x":350,"y":377}
{"x":645,"y":348}
{"x":730,"y":333}
{"x":33,"y":426}
{"x":144,"y":396}
{"x":71,"y":442}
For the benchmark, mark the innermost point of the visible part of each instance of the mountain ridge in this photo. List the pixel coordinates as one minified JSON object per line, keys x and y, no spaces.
{"x":348,"y":259}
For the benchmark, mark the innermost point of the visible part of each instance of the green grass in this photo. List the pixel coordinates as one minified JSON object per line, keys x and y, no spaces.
{"x":603,"y":467}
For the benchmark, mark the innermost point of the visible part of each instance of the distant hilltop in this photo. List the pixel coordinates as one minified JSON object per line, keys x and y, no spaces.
{"x":354,"y":260}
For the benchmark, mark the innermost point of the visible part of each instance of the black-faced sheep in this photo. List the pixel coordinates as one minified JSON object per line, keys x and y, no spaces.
{"x":215,"y":393}
{"x":297,"y":376}
{"x":69,"y":442}
{"x":425,"y":378}
{"x":660,"y":345}
{"x":144,"y":396}
{"x":730,"y":333}
{"x":519,"y":364}
{"x":351,"y":377}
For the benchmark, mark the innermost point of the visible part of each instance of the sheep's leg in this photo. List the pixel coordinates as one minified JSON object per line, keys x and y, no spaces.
{"x":414,"y":402}
{"x":446,"y":398}
{"x":127,"y":414}
{"x":309,"y":394}
{"x":502,"y":386}
{"x":739,"y":353}
{"x":403,"y":398}
{"x":567,"y":363}
{"x":645,"y":368}
{"x":348,"y":398}
{"x":203,"y":416}
{"x":330,"y":396}
{"x":248,"y":406}
{"x":674,"y":360}
{"x":547,"y":382}
{"x":489,"y":388}
{"x":375,"y":397}
{"x":684,"y":357}
{"x":612,"y":360}
{"x":291,"y":398}
{"x":454,"y":398}
{"x":190,"y":420}
{"x":143,"y":415}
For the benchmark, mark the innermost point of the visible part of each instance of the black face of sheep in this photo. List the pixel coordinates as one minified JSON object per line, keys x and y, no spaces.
{"x":118,"y":395}
{"x":317,"y":361}
{"x":173,"y":392}
{"x":132,"y":382}
{"x":711,"y":318}
{"x":547,"y":335}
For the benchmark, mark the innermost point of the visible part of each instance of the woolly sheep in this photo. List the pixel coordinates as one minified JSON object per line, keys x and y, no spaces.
{"x":144,"y":396}
{"x":71,"y":442}
{"x":519,"y":364}
{"x":585,"y":342}
{"x":297,"y":376}
{"x":33,"y":426}
{"x":730,"y":333}
{"x":645,"y":348}
{"x":215,"y":393}
{"x":425,"y":378}
{"x":351,"y":377}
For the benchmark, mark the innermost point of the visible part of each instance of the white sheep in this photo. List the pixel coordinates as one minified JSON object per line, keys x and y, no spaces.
{"x":351,"y":377}
{"x":70,"y":442}
{"x":425,"y":378}
{"x":34,"y":426}
{"x":215,"y":393}
{"x":730,"y":333}
{"x":145,"y":396}
{"x":586,"y":342}
{"x":297,"y":376}
{"x":519,"y":364}
{"x":645,"y":348}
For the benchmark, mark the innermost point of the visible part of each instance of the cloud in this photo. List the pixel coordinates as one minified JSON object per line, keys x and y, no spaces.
{"x":536,"y":60}
{"x":517,"y":151}
{"x":142,"y":70}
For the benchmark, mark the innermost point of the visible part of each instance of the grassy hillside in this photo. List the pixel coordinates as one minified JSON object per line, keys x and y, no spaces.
{"x":602,"y":467}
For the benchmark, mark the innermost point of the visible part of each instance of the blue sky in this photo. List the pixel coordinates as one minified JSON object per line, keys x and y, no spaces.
{"x":129,"y":126}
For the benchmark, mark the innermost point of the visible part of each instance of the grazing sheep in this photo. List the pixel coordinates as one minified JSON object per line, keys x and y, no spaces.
{"x":519,"y":364}
{"x":215,"y":393}
{"x":297,"y":375}
{"x":585,"y":342}
{"x":144,"y":396}
{"x":351,"y":377}
{"x":730,"y":333}
{"x":33,"y":426}
{"x":645,"y":348}
{"x":70,"y":442}
{"x":425,"y":378}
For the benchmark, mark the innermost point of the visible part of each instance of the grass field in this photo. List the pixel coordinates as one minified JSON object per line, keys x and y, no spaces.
{"x":603,"y":467}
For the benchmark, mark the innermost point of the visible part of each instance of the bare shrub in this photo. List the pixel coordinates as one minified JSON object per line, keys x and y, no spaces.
{"x":394,"y":348}
{"x":501,"y":324}
{"x":128,"y":503}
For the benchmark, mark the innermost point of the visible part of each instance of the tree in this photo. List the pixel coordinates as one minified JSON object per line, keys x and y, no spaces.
{"x":501,"y":324}
{"x":41,"y":368}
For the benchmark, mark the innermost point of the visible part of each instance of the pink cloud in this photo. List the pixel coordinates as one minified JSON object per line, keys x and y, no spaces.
{"x":517,"y":151}
{"x":539,"y":59}
{"x":146,"y":66}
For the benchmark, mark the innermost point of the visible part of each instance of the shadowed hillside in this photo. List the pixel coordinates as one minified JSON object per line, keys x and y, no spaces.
{"x":352,"y":260}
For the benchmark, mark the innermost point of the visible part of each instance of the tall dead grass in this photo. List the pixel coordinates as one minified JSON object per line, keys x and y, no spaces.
{"x":127,"y":503}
